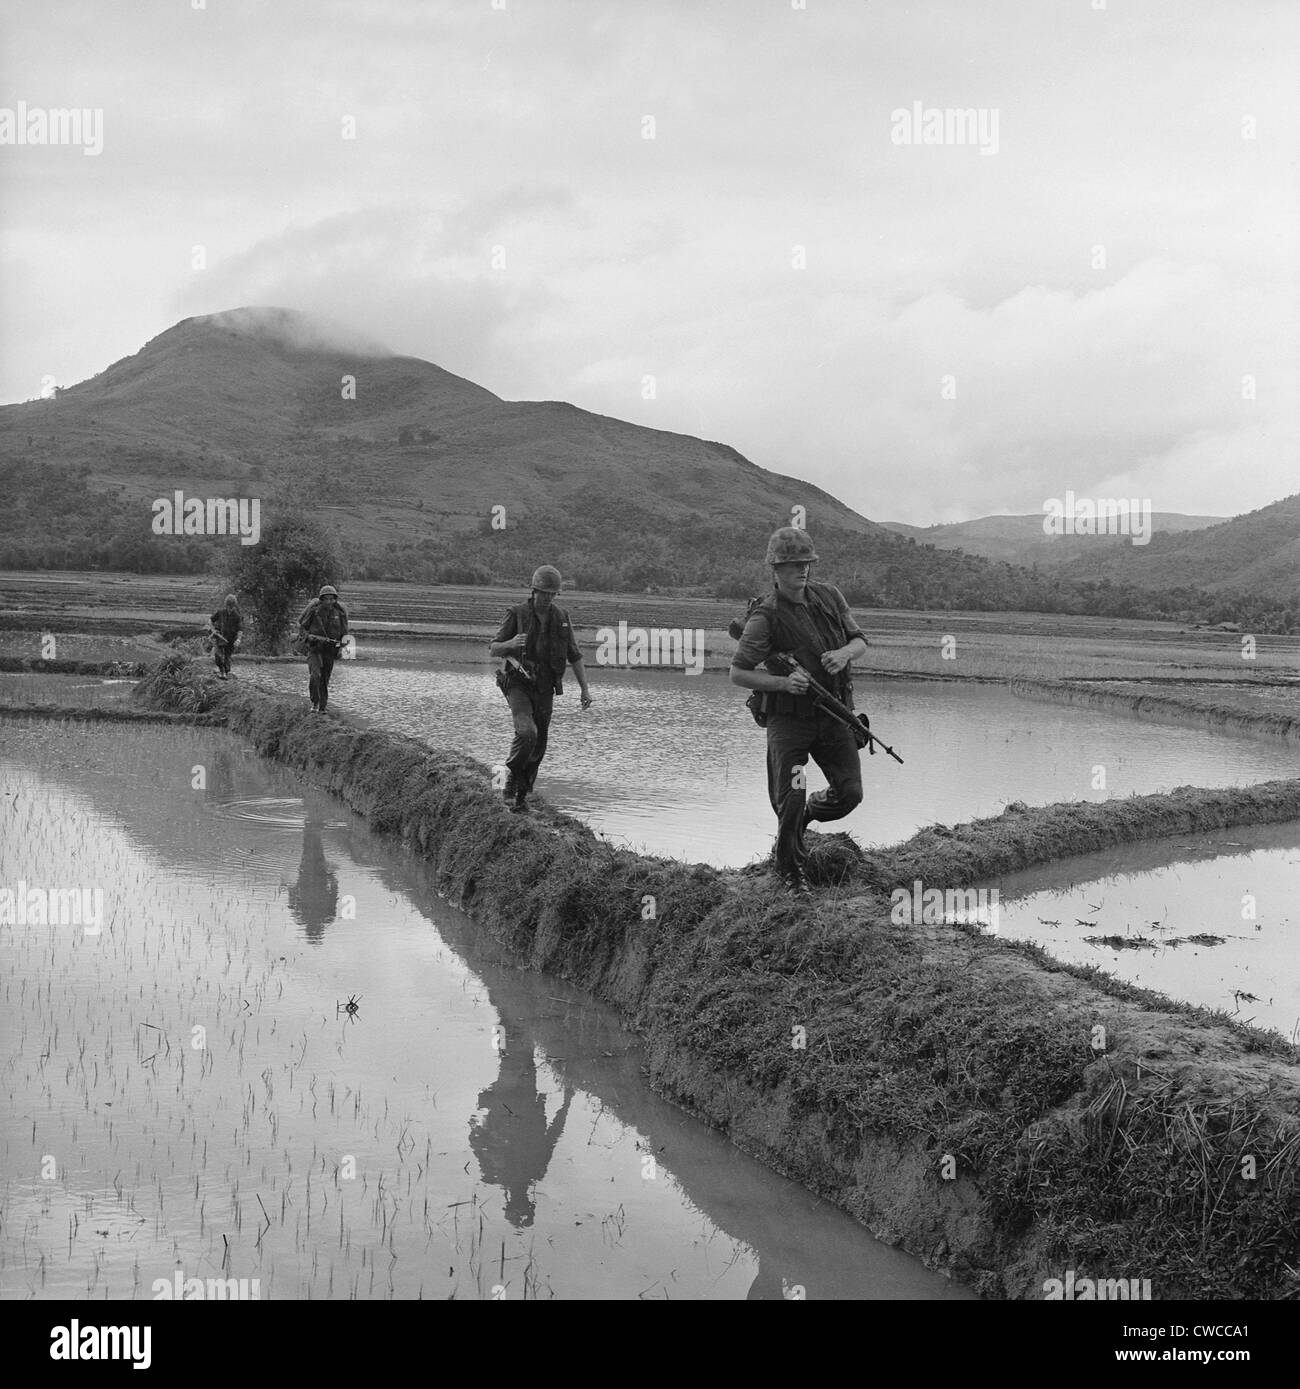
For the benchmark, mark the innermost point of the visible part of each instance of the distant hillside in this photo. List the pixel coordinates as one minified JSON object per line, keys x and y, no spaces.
{"x":409,"y":465}
{"x":1255,"y":553}
{"x":253,"y":402}
{"x":1022,"y":540}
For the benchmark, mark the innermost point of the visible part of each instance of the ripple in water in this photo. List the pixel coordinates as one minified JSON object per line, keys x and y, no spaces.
{"x":274,"y":812}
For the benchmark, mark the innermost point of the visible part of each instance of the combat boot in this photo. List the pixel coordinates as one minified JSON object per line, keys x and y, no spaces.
{"x":794,"y":881}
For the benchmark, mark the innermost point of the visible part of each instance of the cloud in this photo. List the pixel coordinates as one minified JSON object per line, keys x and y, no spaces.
{"x":499,"y":212}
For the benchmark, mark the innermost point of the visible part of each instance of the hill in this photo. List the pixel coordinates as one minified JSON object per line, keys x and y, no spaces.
{"x":1022,"y":540}
{"x":1258,"y":552}
{"x":423,"y":475}
{"x":256,"y":401}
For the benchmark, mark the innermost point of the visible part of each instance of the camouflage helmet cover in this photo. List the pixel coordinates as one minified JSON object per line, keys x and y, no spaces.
{"x":790,"y":545}
{"x":547,"y":579}
{"x":327,"y":588}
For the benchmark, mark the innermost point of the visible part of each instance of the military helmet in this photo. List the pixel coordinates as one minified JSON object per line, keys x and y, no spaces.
{"x":790,"y":545}
{"x":547,"y":579}
{"x":327,"y":588}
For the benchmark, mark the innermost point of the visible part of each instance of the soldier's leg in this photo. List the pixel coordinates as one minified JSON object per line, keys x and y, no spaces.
{"x":326,"y":669}
{"x":313,"y":674}
{"x":789,"y":738}
{"x":837,"y":755}
{"x":525,"y":739}
{"x":543,"y":706}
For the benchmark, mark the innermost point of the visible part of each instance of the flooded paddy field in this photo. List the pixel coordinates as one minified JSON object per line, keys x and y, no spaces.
{"x":78,"y":646}
{"x":1214,"y":919}
{"x":994,"y":645}
{"x":673,"y":764}
{"x":187,"y":1088}
{"x":74,"y":691}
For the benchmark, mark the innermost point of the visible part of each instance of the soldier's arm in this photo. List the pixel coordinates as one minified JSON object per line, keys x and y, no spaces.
{"x":855,"y":647}
{"x":755,"y":647}
{"x":503,"y":644}
{"x":579,"y":670}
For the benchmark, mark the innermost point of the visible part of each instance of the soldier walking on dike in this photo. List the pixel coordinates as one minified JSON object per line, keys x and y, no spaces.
{"x":223,"y":626}
{"x":537,"y":641}
{"x":323,"y":625}
{"x":812,"y":621}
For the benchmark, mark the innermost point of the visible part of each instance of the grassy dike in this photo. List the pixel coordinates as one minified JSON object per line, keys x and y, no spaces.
{"x":1178,"y":707}
{"x":948,"y":1089}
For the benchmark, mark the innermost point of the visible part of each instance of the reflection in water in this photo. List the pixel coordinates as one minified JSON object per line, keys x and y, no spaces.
{"x":767,"y":1285}
{"x":314,"y":896}
{"x":399,"y":1095}
{"x":512,"y":1141}
{"x":221,"y":779}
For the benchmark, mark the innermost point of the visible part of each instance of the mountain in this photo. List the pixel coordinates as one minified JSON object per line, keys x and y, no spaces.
{"x":1022,"y":540}
{"x":421,"y":474}
{"x":253,"y":402}
{"x":1258,"y":552}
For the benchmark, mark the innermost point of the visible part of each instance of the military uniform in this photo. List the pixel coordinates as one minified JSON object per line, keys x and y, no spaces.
{"x":549,"y":650}
{"x":796,"y":728}
{"x":331,"y":622}
{"x":226,"y":623}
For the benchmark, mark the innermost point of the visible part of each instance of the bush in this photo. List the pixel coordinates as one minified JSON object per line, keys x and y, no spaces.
{"x":276,"y":577}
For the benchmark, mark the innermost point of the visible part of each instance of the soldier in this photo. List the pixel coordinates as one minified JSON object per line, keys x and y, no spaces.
{"x":813,"y":621}
{"x":537,"y":641}
{"x":323,"y":625}
{"x":223,"y":627}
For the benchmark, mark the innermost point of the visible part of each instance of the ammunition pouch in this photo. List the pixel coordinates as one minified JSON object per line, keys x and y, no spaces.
{"x":755,"y":704}
{"x":508,"y":677}
{"x":764,"y":703}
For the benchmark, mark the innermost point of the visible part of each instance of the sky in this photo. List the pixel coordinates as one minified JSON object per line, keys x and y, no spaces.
{"x":717,"y":217}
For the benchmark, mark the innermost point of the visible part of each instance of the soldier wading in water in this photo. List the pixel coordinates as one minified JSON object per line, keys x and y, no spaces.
{"x":813,"y":622}
{"x":323,"y":625}
{"x":537,"y":642}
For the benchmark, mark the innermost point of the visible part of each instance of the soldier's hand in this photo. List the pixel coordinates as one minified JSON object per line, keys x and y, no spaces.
{"x":519,"y":642}
{"x":586,"y":701}
{"x":835,"y":661}
{"x":797,"y":683}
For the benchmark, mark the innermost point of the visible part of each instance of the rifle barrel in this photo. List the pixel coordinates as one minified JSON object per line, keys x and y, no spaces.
{"x":839,"y":710}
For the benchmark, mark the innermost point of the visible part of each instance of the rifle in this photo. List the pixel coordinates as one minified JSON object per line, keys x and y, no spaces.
{"x":328,"y":641}
{"x":857,"y":724}
{"x":513,"y":667}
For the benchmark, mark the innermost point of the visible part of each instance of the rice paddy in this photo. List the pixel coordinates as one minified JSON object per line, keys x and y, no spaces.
{"x":280,"y":1057}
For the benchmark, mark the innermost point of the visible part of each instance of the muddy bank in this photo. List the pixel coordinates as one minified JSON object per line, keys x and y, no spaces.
{"x":1180,"y":708}
{"x":90,"y":714}
{"x":1021,"y":837}
{"x":951,"y":1091}
{"x":34,"y":665}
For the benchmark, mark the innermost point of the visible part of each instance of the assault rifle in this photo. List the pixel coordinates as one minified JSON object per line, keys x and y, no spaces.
{"x":516,"y":668}
{"x":324,"y":641}
{"x":857,"y":724}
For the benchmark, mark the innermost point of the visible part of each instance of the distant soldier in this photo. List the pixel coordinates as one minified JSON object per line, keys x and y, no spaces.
{"x":323,"y":624}
{"x":223,"y":629}
{"x":537,"y":642}
{"x":812,"y":621}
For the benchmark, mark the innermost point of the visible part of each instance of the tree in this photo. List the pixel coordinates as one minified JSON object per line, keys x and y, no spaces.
{"x":274,"y":578}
